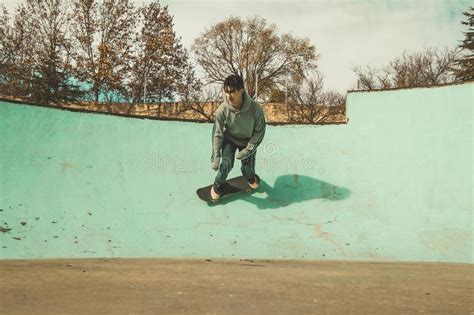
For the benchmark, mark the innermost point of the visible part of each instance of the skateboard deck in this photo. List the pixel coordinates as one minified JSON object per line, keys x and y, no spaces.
{"x":230,"y":187}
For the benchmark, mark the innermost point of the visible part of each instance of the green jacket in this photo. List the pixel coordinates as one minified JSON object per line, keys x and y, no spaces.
{"x":245,"y":127}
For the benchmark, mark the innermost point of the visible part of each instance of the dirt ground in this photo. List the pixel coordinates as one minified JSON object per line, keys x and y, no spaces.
{"x":162,"y":286}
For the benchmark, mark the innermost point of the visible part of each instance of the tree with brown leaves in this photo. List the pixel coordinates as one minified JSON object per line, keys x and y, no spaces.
{"x":103,"y":35}
{"x":160,"y":62}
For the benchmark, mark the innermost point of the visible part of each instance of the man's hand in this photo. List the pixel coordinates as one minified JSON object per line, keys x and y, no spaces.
{"x":215,"y":163}
{"x":245,"y":152}
{"x":242,"y":154}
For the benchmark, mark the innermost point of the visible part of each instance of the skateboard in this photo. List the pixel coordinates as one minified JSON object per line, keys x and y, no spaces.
{"x":232,"y":186}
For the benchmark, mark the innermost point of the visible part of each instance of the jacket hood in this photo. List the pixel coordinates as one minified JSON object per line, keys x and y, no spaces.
{"x":247,"y":101}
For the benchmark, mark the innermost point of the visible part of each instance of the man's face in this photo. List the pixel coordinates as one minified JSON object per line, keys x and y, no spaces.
{"x":234,"y":97}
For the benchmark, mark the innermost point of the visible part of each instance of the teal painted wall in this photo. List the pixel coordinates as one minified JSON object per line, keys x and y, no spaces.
{"x":395,"y":183}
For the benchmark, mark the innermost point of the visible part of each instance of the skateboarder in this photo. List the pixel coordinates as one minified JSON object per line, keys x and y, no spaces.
{"x":239,"y":124}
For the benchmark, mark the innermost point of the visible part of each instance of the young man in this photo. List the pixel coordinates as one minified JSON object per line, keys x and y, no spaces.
{"x":239,"y":124}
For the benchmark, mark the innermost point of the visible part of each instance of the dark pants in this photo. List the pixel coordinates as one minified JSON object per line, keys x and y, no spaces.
{"x":227,"y":163}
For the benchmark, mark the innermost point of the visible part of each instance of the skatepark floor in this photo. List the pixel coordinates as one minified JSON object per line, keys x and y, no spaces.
{"x":169,"y":286}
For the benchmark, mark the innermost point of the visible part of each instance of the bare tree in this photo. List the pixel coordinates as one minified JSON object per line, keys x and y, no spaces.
{"x":252,"y":49}
{"x":430,"y":67}
{"x":309,"y":103}
{"x":11,"y":57}
{"x":103,"y":37}
{"x":204,"y":102}
{"x":48,"y":22}
{"x":5,"y":50}
{"x":36,"y":55}
{"x":372,"y":78}
{"x":189,"y":89}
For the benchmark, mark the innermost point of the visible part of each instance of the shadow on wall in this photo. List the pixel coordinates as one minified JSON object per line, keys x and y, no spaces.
{"x":289,"y":189}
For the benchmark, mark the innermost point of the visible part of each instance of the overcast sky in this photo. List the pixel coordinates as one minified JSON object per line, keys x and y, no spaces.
{"x":345,"y":33}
